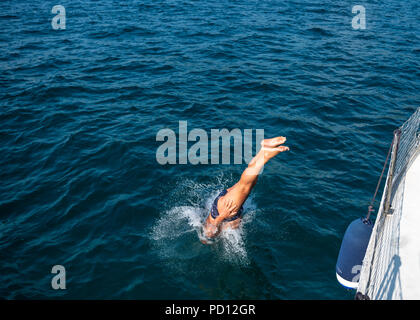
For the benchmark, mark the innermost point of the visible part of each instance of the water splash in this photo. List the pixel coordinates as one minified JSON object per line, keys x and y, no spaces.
{"x":176,"y":234}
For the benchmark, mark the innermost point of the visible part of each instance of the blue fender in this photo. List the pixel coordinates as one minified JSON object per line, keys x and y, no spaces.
{"x":352,"y":251}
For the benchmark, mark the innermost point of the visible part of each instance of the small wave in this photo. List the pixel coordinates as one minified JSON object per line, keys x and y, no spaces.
{"x":320,"y":31}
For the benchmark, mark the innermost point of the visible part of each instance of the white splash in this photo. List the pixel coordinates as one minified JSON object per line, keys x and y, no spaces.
{"x":176,"y":234}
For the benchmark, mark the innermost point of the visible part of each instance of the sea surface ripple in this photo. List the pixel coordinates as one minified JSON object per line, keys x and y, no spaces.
{"x":80,"y":109}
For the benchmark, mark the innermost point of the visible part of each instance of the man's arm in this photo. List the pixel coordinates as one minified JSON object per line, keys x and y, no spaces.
{"x":226,"y":208}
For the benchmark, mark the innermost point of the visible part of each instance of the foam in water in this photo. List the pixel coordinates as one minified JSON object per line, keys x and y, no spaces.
{"x":176,"y":234}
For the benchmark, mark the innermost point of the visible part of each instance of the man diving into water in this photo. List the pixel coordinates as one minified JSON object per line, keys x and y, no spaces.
{"x":224,"y":212}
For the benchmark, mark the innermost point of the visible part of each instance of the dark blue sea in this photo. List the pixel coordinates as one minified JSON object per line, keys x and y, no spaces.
{"x":80,"y":110}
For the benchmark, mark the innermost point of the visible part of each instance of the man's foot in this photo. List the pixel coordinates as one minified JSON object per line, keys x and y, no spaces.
{"x":272,"y":152}
{"x":274,"y":142}
{"x":272,"y":147}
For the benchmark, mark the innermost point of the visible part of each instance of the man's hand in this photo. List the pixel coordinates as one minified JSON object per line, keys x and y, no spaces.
{"x":226,"y":208}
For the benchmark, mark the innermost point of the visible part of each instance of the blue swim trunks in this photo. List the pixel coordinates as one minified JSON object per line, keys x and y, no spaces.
{"x":214,"y":212}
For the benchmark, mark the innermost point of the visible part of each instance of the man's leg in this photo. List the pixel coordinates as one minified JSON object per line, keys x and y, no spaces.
{"x":241,"y":190}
